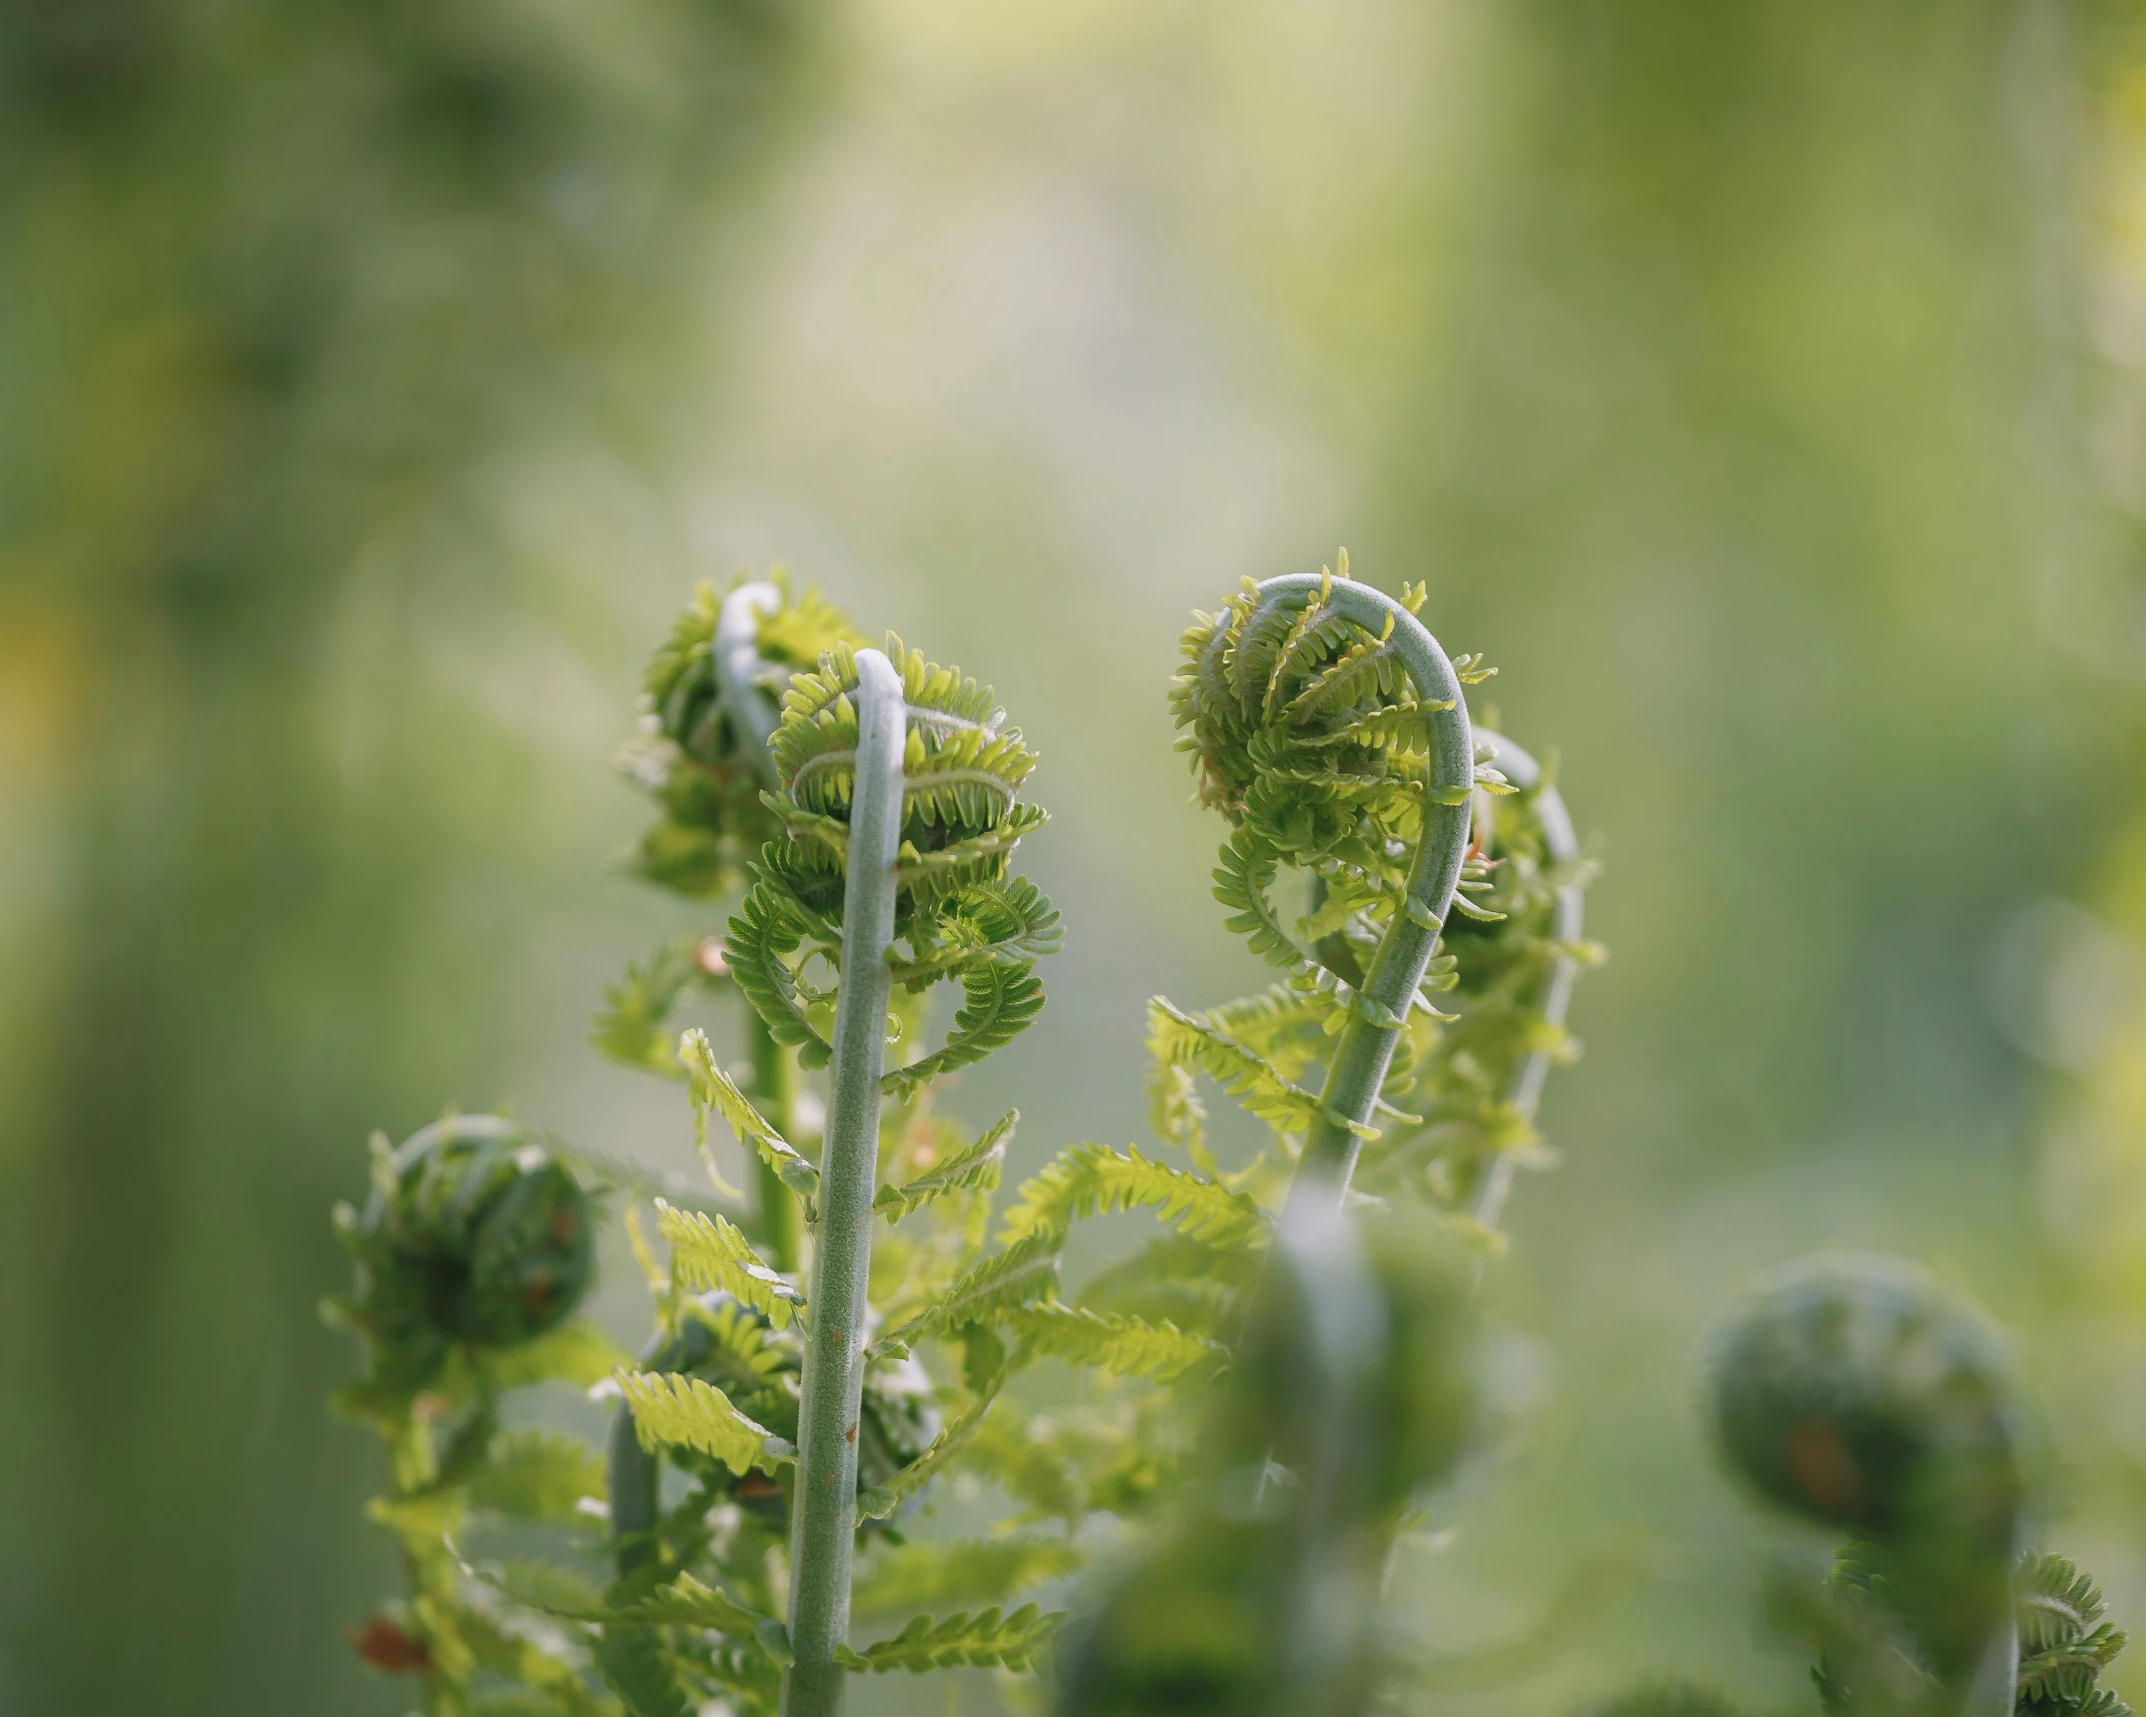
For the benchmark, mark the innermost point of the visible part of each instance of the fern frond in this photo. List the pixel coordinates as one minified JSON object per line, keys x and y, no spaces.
{"x":710,"y":1252}
{"x":537,"y":1475}
{"x":685,"y":1602}
{"x":1241,"y":881}
{"x":1009,"y":923}
{"x":580,"y":1352}
{"x":713,"y":1089}
{"x":963,"y":1571}
{"x":979,"y":1641}
{"x":630,"y":1029}
{"x":670,"y":1408}
{"x":767,"y":930}
{"x":977,"y":1167}
{"x":636,"y":1667}
{"x":1181,"y":1039}
{"x":998,"y":1004}
{"x":1091,"y":1180}
{"x":1122,"y":1346}
{"x":1013,"y":1277}
{"x":882,"y":1500}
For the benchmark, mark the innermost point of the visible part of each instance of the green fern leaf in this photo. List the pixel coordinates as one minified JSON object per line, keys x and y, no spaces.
{"x":998,"y":1003}
{"x":1177,"y":1038}
{"x":964,"y":1571}
{"x":1242,"y":879}
{"x":882,"y":1500}
{"x":1010,"y":923}
{"x":979,"y":1641}
{"x":685,"y":1602}
{"x":670,"y":1408}
{"x":977,"y":1167}
{"x":713,"y":1089}
{"x":579,"y":1352}
{"x":1009,"y":1278}
{"x":631,"y":1027}
{"x":710,"y":1252}
{"x":1122,"y":1346}
{"x":537,"y":1475}
{"x":635,"y":1666}
{"x":1091,"y":1180}
{"x":758,"y":942}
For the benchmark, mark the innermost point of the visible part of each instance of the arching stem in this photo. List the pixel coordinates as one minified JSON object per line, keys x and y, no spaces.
{"x":1365,"y":1051}
{"x":824,"y":1517}
{"x":739,"y":668}
{"x":1561,"y":846}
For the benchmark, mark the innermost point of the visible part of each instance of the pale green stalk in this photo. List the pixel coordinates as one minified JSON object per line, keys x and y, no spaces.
{"x":1560,"y":846}
{"x":739,"y":666}
{"x":1365,"y":1051}
{"x":824,"y":1515}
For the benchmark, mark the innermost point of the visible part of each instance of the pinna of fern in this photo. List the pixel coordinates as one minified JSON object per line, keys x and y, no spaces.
{"x":1333,"y":734}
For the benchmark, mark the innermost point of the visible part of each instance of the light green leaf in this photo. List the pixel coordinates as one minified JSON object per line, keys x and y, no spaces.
{"x":713,"y":1089}
{"x":710,"y":1252}
{"x":979,"y":1641}
{"x":671,"y":1408}
{"x":1091,"y":1179}
{"x":978,"y":1166}
{"x":1123,"y":1346}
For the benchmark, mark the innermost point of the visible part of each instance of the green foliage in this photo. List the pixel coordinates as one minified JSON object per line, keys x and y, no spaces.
{"x":983,"y":1640}
{"x":2064,"y":1645}
{"x":674,"y":1410}
{"x":709,"y":1252}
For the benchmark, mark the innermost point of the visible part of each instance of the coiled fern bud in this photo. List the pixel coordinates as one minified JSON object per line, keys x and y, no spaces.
{"x":957,"y":910}
{"x":708,"y":706}
{"x":475,"y":1234}
{"x":1331,"y":730}
{"x":1859,"y":1394}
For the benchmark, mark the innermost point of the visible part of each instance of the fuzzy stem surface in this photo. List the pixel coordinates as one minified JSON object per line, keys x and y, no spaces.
{"x":824,"y":1518}
{"x":1365,"y":1051}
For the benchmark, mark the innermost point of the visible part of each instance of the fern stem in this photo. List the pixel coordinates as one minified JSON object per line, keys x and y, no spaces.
{"x":739,"y":668}
{"x":1365,"y":1051}
{"x":735,"y":651}
{"x":782,"y":1218}
{"x":1562,"y":847}
{"x":824,"y":1517}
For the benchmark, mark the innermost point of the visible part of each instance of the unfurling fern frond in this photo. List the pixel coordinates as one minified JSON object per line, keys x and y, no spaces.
{"x":1333,"y":733}
{"x":984,"y":1640}
{"x":2063,"y":1643}
{"x":1091,"y":1180}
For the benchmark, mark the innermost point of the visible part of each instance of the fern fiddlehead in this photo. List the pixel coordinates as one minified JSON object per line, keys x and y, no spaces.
{"x":899,"y":791}
{"x":1857,"y":1393}
{"x":1332,"y":730}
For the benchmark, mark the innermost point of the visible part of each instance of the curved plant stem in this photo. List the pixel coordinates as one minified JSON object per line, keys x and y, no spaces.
{"x":1360,"y":1060}
{"x":824,"y":1518}
{"x":739,"y":668}
{"x":1561,"y":846}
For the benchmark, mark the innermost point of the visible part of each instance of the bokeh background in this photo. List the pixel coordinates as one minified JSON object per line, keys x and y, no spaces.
{"x":1762,"y":387}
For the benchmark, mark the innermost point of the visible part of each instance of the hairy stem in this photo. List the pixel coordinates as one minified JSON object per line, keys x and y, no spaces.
{"x":1365,"y":1051}
{"x":1560,"y":846}
{"x":824,"y":1520}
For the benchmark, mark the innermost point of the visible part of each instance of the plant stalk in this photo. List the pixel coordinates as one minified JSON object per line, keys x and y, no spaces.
{"x":1562,"y":846}
{"x":824,"y":1516}
{"x":775,"y":1077}
{"x":1365,"y":1051}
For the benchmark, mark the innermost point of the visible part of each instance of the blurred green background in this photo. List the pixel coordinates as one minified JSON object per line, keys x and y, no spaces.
{"x":1761,"y":386}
